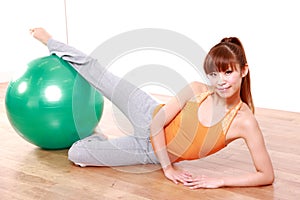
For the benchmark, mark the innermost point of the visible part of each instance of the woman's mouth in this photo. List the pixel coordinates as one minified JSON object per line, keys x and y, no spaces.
{"x":223,"y":89}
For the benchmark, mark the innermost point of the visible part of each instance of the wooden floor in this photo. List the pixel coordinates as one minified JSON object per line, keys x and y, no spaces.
{"x":27,"y":172}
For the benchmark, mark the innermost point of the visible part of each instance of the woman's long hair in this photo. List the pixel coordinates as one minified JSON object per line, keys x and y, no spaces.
{"x":228,"y":53}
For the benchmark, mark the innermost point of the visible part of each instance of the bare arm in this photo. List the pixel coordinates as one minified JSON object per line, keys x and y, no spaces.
{"x":263,"y":175}
{"x":162,"y":118}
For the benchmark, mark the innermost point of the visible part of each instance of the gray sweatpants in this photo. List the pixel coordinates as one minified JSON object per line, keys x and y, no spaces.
{"x":136,"y":105}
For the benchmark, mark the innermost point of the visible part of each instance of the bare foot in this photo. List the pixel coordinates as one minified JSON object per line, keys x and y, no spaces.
{"x":40,"y":34}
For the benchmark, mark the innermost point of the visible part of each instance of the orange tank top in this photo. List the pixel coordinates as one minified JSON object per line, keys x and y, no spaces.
{"x":187,"y":139}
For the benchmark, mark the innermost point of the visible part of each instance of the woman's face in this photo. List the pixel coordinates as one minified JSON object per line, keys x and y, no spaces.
{"x":228,"y":83}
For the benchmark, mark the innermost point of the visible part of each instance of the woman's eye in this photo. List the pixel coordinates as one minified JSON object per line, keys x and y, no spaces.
{"x":228,"y":72}
{"x":213,"y":74}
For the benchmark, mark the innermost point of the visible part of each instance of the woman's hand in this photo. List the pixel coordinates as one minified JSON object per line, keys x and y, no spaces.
{"x":203,"y":182}
{"x":40,"y":34}
{"x":176,"y":175}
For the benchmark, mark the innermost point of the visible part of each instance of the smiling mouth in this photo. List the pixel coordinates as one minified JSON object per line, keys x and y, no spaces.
{"x":223,"y":89}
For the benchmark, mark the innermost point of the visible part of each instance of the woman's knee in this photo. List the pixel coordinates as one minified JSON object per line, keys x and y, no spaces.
{"x":75,"y":154}
{"x":82,"y":151}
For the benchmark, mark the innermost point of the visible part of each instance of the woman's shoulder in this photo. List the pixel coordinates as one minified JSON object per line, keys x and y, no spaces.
{"x":199,"y":90}
{"x":246,"y":120}
{"x":199,"y":87}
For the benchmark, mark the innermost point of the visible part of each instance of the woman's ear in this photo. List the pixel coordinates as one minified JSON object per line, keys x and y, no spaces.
{"x":245,"y":70}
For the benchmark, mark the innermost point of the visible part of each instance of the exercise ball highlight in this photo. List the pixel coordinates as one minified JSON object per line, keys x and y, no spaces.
{"x":51,"y":105}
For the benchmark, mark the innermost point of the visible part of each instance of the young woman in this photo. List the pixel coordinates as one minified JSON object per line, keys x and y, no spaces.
{"x":199,"y":121}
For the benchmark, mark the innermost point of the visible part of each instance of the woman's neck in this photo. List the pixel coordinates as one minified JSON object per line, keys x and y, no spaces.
{"x":227,"y":103}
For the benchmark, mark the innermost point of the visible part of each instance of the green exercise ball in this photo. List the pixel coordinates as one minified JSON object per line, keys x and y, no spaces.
{"x":51,"y":105}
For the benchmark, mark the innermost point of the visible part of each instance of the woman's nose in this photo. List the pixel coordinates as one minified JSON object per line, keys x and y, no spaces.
{"x":221,"y":79}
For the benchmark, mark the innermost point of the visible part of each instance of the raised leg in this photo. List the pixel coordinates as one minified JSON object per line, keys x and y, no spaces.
{"x":132,"y":101}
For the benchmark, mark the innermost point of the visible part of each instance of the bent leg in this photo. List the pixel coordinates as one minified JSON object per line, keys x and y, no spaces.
{"x":96,"y":151}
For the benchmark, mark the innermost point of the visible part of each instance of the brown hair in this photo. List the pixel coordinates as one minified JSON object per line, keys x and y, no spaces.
{"x":228,"y":53}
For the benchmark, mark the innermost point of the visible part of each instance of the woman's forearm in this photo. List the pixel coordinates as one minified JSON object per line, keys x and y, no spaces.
{"x":248,"y":180}
{"x":159,"y":143}
{"x":252,"y":179}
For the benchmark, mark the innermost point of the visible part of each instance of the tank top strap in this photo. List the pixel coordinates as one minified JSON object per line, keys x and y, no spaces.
{"x":226,"y":122}
{"x":201,"y":97}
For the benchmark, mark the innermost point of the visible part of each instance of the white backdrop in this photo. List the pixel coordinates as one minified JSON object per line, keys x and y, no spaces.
{"x":268,"y":30}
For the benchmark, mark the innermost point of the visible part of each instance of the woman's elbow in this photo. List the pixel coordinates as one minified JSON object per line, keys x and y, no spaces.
{"x":269,"y":178}
{"x":156,"y":127}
